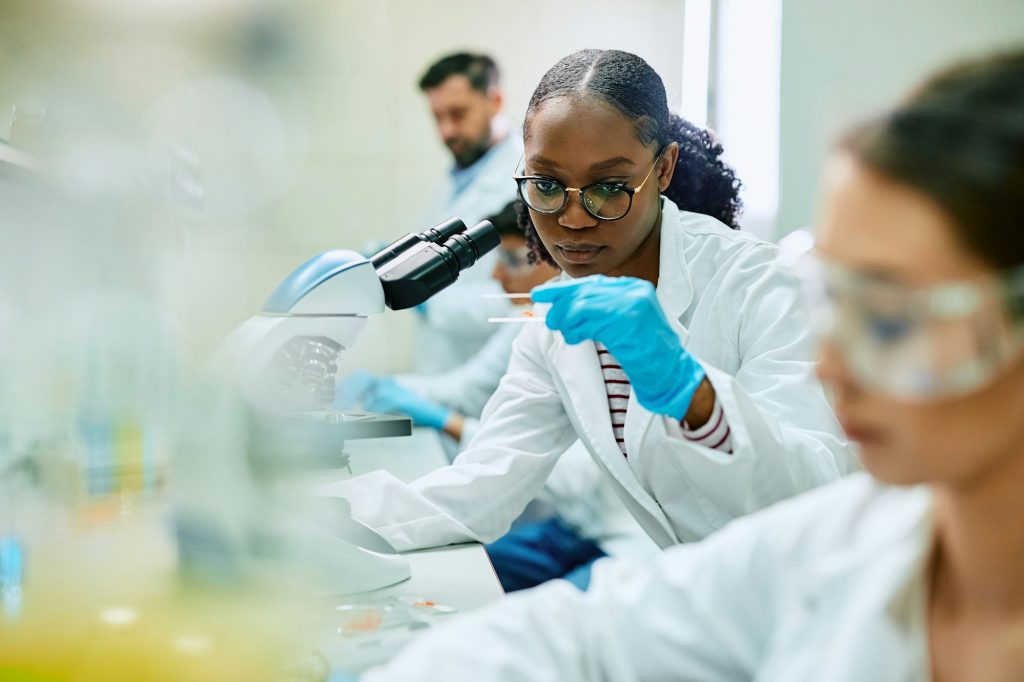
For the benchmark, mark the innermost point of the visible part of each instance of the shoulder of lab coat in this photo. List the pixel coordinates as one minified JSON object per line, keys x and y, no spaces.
{"x":523,"y":431}
{"x":733,"y":305}
{"x":467,"y":388}
{"x":814,"y":588}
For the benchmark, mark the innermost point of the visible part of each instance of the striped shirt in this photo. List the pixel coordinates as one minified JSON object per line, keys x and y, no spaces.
{"x":715,"y":434}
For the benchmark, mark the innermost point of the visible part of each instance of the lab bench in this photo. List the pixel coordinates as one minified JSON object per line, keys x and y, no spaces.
{"x":456,"y":576}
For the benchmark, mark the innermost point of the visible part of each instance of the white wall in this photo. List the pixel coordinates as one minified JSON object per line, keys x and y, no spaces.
{"x":745,"y":99}
{"x":843,"y":59}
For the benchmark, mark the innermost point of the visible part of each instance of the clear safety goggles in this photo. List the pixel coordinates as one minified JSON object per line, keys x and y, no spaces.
{"x":917,"y":343}
{"x":515,"y":259}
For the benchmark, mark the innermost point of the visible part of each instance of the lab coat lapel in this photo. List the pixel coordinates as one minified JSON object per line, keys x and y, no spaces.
{"x":675,"y":292}
{"x":585,"y":388}
{"x":675,"y":287}
{"x":874,"y":603}
{"x":580,"y":372}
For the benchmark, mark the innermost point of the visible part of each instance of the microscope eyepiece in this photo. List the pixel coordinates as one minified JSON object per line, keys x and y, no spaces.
{"x":427,"y":263}
{"x":438,"y":234}
{"x":470,"y":245}
{"x":443,"y":232}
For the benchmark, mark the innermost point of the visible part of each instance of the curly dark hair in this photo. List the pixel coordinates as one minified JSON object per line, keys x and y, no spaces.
{"x":702,"y":182}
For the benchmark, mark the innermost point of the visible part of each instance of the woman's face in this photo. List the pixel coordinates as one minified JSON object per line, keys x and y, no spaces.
{"x":578,"y":141}
{"x":872,"y":224}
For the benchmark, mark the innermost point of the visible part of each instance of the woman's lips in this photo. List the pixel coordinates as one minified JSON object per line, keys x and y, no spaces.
{"x":580,"y":253}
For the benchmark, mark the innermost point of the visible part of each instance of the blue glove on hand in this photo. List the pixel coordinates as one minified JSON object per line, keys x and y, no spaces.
{"x":623,"y":313}
{"x":387,"y":395}
{"x":350,"y":391}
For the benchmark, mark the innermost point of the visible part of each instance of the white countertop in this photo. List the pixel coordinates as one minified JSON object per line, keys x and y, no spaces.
{"x":457,"y":576}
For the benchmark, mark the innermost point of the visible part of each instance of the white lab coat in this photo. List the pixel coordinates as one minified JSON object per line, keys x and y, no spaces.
{"x":577,"y":489}
{"x":454,"y":324}
{"x":740,"y":315}
{"x":828,"y":586}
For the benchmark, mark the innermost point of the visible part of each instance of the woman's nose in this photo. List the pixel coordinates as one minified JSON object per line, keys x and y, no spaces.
{"x":574,"y":216}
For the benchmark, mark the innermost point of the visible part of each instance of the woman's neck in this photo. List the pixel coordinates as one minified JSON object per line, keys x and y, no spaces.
{"x":980,"y":542}
{"x":645,"y":263}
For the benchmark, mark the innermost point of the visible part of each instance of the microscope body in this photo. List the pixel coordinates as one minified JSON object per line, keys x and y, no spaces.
{"x":284,"y":363}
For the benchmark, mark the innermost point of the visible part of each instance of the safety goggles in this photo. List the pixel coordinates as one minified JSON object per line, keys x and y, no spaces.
{"x":917,"y":343}
{"x":514,"y":259}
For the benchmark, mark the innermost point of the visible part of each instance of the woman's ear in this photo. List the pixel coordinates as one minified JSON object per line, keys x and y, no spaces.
{"x":669,"y":157}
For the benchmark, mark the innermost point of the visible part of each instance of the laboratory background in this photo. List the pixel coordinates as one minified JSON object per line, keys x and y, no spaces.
{"x":170,"y":171}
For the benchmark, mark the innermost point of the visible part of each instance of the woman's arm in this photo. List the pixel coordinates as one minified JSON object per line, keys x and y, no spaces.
{"x":523,"y":431}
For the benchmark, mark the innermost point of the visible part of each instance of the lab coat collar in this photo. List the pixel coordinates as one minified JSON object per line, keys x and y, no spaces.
{"x":882,"y":571}
{"x":675,"y":287}
{"x":675,"y":292}
{"x":588,"y":399}
{"x":890,"y":536}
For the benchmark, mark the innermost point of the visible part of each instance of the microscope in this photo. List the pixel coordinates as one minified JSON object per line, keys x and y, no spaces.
{"x":248,"y":512}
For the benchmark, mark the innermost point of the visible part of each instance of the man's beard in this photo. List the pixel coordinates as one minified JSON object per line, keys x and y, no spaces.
{"x":473,"y":153}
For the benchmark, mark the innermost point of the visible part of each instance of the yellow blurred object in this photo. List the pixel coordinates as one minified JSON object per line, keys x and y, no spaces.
{"x":107,"y":603}
{"x":81,"y":630}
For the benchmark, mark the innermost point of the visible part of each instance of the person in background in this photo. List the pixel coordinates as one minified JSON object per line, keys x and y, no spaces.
{"x":674,"y":347}
{"x":910,"y":573}
{"x":465,"y":98}
{"x":588,"y":520}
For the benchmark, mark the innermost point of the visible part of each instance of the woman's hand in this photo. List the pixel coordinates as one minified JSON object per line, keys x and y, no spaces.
{"x":623,"y":313}
{"x":387,"y":395}
{"x":384,"y":394}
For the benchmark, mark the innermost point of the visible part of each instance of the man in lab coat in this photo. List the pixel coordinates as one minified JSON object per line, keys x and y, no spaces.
{"x":466,"y":101}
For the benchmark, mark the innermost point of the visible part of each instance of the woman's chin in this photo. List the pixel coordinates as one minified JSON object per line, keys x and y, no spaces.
{"x":890,"y":467}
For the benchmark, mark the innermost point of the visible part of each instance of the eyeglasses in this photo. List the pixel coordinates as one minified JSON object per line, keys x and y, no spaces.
{"x":602,"y":200}
{"x":912,"y":342}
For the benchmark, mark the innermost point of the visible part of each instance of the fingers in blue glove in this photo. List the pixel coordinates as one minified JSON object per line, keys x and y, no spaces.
{"x":390,"y":396}
{"x":624,"y":314}
{"x":583,"y":308}
{"x":353,"y":389}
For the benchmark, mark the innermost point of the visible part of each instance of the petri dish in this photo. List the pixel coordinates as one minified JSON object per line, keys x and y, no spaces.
{"x":353,"y":620}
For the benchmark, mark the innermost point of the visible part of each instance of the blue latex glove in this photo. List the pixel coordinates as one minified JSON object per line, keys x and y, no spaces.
{"x":352,"y":390}
{"x":623,"y":313}
{"x":387,"y":395}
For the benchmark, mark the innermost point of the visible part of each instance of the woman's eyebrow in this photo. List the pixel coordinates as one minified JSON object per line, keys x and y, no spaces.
{"x":612,"y":163}
{"x":538,"y":160}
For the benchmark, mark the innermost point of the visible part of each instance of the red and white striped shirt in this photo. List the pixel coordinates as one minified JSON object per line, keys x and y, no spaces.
{"x":715,"y":434}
